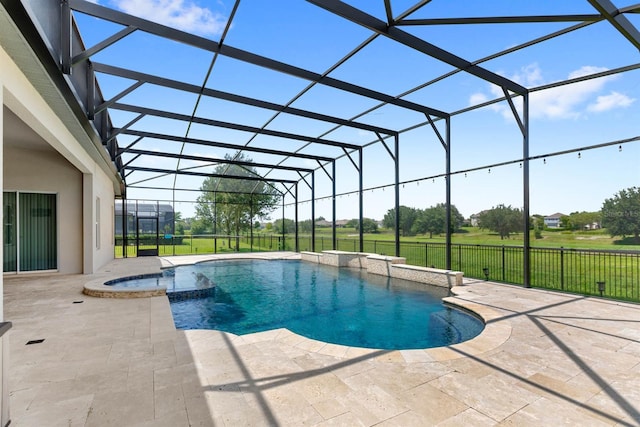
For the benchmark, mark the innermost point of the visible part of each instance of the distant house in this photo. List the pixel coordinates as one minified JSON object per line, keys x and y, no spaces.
{"x":325,"y":223}
{"x":553,"y":221}
{"x":474,"y":219}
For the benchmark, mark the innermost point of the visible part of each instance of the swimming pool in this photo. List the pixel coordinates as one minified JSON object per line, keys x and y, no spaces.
{"x":334,"y":305}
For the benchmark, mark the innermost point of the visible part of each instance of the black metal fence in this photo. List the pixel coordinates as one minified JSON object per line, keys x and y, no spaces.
{"x":609,"y":273}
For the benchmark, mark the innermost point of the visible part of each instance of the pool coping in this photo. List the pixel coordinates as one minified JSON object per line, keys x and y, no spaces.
{"x":496,"y":330}
{"x":97,"y":288}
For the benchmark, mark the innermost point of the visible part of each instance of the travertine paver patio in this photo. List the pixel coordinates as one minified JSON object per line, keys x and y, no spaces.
{"x":548,"y":359}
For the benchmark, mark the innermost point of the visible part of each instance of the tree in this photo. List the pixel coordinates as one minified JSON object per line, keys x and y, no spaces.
{"x":368,"y":225}
{"x":179,"y":222}
{"x":407,"y":217}
{"x":352,"y":223}
{"x":305,"y":226}
{"x":289,"y":226}
{"x":180,"y":228}
{"x":198,"y":227}
{"x":227,"y":205}
{"x":434,"y":219}
{"x":536,"y":223}
{"x":621,"y":214}
{"x":583,"y":220}
{"x":502,"y":219}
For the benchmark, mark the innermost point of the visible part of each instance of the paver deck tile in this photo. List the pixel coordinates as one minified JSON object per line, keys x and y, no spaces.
{"x":549,"y":359}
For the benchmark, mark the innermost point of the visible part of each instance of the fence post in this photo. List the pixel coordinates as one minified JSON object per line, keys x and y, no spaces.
{"x":426,"y":259}
{"x":561,"y":268}
{"x":504,"y":265}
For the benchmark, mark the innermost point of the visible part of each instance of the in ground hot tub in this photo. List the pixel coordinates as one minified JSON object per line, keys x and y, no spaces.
{"x":177,"y":283}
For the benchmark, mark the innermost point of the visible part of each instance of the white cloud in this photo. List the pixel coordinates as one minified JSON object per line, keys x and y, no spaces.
{"x":562,"y":102}
{"x":180,"y":14}
{"x":477,"y":98}
{"x":530,"y":75}
{"x":609,"y":102}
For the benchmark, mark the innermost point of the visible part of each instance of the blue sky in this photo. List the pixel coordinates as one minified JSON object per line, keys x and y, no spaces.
{"x":591,"y":112}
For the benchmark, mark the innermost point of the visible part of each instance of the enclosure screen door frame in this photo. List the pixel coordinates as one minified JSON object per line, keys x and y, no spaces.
{"x":147,"y":237}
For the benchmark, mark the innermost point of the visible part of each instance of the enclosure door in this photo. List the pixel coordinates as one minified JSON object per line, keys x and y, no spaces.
{"x":32,"y":217}
{"x":147,"y":237}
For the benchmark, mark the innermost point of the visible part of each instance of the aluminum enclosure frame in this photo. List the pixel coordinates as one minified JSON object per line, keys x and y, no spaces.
{"x":60,"y":49}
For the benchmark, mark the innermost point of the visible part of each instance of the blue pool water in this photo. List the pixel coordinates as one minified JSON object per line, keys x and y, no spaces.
{"x":341,"y":306}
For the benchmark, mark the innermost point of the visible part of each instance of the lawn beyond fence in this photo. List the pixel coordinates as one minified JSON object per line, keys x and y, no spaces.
{"x":564,"y":269}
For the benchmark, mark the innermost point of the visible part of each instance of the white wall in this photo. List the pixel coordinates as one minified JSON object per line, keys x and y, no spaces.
{"x":61,"y":171}
{"x":49,"y":172}
{"x":71,"y":172}
{"x":102,"y":188}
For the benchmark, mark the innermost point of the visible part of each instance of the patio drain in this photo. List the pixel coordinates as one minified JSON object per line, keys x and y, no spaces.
{"x":78,"y":302}
{"x":35,"y":341}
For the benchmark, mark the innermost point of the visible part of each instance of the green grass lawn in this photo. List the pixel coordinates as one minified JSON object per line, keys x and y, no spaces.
{"x":594,"y":239}
{"x":206,"y":245}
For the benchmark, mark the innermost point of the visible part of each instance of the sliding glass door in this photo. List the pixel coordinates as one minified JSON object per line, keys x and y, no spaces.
{"x":32,"y":216}
{"x":9,"y":236}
